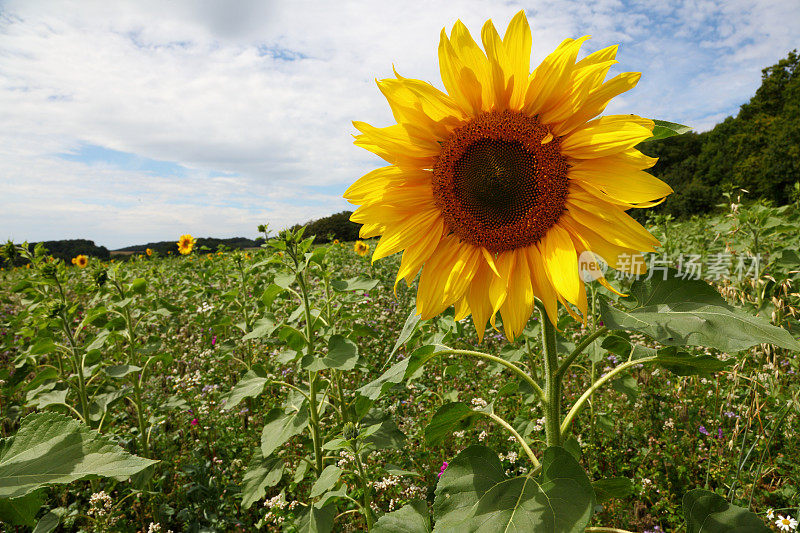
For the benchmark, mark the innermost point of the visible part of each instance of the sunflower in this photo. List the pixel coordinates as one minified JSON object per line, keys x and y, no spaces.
{"x":81,"y":261}
{"x":336,"y":242}
{"x":73,"y":260}
{"x":149,"y":252}
{"x":361,"y":248}
{"x":185,"y":244}
{"x":495,"y":187}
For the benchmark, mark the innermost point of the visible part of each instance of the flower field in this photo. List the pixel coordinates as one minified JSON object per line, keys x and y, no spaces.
{"x":292,"y":388}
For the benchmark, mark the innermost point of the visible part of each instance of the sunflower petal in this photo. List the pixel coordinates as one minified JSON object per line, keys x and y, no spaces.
{"x":517,"y":41}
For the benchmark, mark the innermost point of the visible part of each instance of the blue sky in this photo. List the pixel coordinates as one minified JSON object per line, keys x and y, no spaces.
{"x":130,"y":122}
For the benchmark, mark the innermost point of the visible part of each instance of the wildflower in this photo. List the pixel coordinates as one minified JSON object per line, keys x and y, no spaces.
{"x":214,"y":341}
{"x":770,"y":514}
{"x":443,"y":468}
{"x":81,"y":261}
{"x":336,"y":242}
{"x":480,"y":403}
{"x":185,"y":244}
{"x":149,"y":252}
{"x":361,"y":248}
{"x":703,"y":430}
{"x":499,"y":184}
{"x":786,"y":523}
{"x":194,"y":422}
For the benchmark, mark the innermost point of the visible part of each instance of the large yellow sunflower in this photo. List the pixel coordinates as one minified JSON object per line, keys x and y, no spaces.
{"x":497,"y":186}
{"x":185,"y":244}
{"x":81,"y":261}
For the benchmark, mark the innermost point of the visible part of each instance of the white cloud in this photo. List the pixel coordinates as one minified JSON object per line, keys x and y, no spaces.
{"x":265,"y":92}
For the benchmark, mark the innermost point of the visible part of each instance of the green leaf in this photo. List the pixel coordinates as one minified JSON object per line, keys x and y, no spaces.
{"x":353,"y":284}
{"x":262,"y":328}
{"x":342,"y":353}
{"x":50,"y":448}
{"x":21,"y":511}
{"x":683,"y":312}
{"x":682,"y":363}
{"x":628,"y":386}
{"x":456,"y":416}
{"x":707,"y":512}
{"x":139,"y":286}
{"x":316,"y":520}
{"x":409,"y":328}
{"x":251,"y":385}
{"x":403,"y":369}
{"x":260,"y":474}
{"x":293,"y":337}
{"x":411,"y":518}
{"x":270,"y":293}
{"x":120,"y":371}
{"x":50,"y":521}
{"x":280,"y":427}
{"x":613,"y":487}
{"x":327,"y":479}
{"x":284,"y":281}
{"x":560,"y":500}
{"x":664,"y":129}
{"x":471,"y":474}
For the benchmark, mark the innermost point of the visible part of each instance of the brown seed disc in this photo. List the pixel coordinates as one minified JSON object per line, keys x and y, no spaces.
{"x":500,"y":181}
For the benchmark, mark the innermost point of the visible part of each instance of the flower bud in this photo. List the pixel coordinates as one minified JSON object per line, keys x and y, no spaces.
{"x":350,"y":431}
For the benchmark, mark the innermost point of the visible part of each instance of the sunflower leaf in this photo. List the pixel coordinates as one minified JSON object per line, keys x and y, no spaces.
{"x":707,"y":512}
{"x":261,"y":473}
{"x":664,"y":129}
{"x":50,"y":448}
{"x":411,"y":518}
{"x":689,"y":312}
{"x":474,"y":493}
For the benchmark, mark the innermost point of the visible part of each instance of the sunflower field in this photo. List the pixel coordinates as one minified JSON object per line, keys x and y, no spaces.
{"x":535,"y":360}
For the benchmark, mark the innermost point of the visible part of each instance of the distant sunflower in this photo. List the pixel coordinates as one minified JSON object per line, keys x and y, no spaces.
{"x":495,"y":187}
{"x":73,"y":260}
{"x":185,"y":244}
{"x":361,"y":248}
{"x":149,"y":252}
{"x":81,"y":261}
{"x":336,"y":242}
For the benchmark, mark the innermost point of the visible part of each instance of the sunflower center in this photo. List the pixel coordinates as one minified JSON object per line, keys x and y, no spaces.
{"x":500,"y":181}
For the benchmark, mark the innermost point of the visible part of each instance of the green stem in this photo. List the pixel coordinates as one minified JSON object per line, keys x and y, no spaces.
{"x":579,"y":350}
{"x":312,"y":378}
{"x":509,"y":365}
{"x":365,"y":488}
{"x":596,"y":385}
{"x":78,"y":360}
{"x":552,"y":381}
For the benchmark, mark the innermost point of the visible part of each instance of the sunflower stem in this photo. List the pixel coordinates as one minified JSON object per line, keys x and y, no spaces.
{"x":552,"y":381}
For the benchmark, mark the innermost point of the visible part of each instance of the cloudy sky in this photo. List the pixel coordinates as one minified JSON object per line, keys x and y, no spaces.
{"x":130,"y":122}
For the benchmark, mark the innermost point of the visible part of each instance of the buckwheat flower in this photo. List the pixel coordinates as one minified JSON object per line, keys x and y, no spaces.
{"x":482,"y":436}
{"x":786,"y":523}
{"x":479,"y":403}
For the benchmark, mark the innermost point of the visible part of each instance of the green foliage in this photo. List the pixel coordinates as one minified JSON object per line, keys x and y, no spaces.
{"x":707,"y":512}
{"x":474,"y":494}
{"x":336,"y":226}
{"x":50,"y":449}
{"x":687,"y":312}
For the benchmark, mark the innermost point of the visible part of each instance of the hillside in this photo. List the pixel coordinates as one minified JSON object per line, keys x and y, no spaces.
{"x":758,"y":150}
